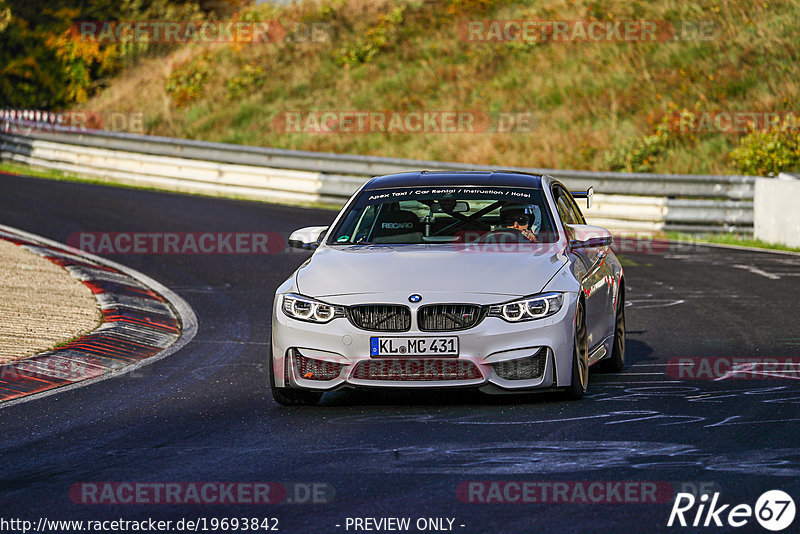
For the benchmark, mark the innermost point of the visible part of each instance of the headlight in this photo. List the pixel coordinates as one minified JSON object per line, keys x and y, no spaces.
{"x":308,"y":309}
{"x":528,"y":308}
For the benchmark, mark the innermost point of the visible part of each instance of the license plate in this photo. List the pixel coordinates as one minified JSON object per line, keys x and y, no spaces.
{"x":413,"y":346}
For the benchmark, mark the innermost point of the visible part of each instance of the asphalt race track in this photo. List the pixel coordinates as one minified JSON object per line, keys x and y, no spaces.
{"x":206,"y":414}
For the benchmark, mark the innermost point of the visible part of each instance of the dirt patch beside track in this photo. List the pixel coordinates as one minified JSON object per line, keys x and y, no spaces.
{"x":41,"y":304}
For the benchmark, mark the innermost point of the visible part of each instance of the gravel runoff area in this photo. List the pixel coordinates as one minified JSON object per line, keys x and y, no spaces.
{"x":41,"y":304}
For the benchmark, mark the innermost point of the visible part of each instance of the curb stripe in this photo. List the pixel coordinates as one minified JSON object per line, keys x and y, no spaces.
{"x":143,"y":322}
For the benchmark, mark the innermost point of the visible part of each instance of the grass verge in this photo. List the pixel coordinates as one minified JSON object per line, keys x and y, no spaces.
{"x":737,"y":240}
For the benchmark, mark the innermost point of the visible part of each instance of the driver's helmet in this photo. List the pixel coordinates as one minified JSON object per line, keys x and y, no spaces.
{"x":524,"y":214}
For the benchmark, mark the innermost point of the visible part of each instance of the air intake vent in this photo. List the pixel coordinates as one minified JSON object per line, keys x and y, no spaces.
{"x":449,"y":317}
{"x":522,"y":368}
{"x":312,"y":369}
{"x":411,"y":369}
{"x":381,"y":317}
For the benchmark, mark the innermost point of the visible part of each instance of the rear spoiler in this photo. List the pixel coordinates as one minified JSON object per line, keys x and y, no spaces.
{"x":588,"y":195}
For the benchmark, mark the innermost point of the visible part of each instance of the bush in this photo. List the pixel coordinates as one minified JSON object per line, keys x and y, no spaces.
{"x":375,"y":39}
{"x":186,"y":82}
{"x":46,"y":63}
{"x":471,"y":7}
{"x":5,"y":15}
{"x":43,"y":65}
{"x":245,"y":82}
{"x":768,"y":152}
{"x":138,"y":10}
{"x":640,"y":155}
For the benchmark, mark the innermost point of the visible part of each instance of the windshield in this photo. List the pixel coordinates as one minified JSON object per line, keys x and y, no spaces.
{"x":416,"y":215}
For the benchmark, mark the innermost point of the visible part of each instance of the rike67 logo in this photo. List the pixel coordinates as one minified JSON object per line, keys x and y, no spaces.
{"x":774,"y":510}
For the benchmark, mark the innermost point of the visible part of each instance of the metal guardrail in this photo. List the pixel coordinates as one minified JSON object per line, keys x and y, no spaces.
{"x":635,"y":201}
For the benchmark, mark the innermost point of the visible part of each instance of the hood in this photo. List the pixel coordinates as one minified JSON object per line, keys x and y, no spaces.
{"x":426,"y":268}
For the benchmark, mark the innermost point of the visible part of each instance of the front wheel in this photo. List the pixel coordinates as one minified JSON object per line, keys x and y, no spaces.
{"x":580,"y":357}
{"x":290,"y":396}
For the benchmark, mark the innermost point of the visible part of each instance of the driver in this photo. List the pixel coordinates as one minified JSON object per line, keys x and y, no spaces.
{"x":519,"y":217}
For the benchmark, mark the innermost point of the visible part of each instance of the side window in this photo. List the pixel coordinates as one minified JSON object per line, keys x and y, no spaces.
{"x":563,"y":211}
{"x":575,"y":209}
{"x":564,"y":205}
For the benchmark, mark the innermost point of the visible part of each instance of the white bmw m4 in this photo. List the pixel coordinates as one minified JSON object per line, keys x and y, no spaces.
{"x":462,"y":279}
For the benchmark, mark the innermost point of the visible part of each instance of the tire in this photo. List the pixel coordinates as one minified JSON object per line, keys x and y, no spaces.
{"x":617,"y":360}
{"x":580,"y":357}
{"x":290,"y":396}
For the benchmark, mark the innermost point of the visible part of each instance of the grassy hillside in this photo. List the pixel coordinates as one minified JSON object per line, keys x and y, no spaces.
{"x":596,"y":105}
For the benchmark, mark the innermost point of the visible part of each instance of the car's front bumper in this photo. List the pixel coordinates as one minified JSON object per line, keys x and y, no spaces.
{"x":481,"y":349}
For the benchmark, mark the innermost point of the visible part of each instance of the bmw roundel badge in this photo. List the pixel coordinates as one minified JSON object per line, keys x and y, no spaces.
{"x":415,"y":298}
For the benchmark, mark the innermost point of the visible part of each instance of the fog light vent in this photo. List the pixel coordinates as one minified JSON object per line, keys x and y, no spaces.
{"x":311,"y":369}
{"x":522,"y":368}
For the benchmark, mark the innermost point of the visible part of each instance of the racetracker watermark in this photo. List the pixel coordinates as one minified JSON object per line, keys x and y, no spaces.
{"x":110,"y":243}
{"x":724,"y":368}
{"x":71,"y":121}
{"x":643,"y":243}
{"x":402,"y":122}
{"x":512,"y":241}
{"x":576,"y":492}
{"x":587,"y":31}
{"x":733,"y":121}
{"x":207,"y":493}
{"x":52,"y":368}
{"x":165,"y":31}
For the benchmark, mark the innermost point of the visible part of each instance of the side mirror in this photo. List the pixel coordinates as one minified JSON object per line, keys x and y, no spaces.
{"x":587,"y":236}
{"x":588,"y":195}
{"x":308,"y":238}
